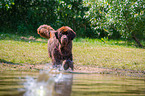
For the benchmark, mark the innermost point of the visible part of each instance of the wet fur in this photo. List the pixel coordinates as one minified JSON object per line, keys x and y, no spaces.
{"x":44,"y":31}
{"x":59,"y":45}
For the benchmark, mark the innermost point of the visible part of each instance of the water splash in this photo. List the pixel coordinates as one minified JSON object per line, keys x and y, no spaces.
{"x":50,"y":82}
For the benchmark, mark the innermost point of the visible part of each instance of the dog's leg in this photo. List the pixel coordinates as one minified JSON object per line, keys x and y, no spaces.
{"x":71,"y":60}
{"x":67,"y":63}
{"x":56,"y":61}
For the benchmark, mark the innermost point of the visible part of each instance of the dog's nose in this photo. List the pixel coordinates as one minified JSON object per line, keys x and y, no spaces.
{"x":65,"y":38}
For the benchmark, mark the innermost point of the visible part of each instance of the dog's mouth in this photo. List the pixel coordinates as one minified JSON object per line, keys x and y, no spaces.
{"x":64,"y":42}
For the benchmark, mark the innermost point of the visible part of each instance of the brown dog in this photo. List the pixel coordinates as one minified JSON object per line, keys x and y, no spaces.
{"x":59,"y":44}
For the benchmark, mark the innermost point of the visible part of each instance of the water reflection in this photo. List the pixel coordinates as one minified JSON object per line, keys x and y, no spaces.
{"x":11,"y":82}
{"x":56,"y":82}
{"x":107,"y":85}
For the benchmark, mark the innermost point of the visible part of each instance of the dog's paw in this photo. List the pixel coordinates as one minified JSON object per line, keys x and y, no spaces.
{"x":66,"y":64}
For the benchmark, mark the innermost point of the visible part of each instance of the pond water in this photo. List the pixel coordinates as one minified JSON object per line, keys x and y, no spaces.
{"x":59,"y":83}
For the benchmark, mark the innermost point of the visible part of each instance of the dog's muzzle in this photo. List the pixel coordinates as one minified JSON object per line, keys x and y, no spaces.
{"x":64,"y":40}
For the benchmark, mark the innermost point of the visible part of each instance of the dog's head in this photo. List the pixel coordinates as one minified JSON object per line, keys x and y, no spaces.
{"x":65,"y":34}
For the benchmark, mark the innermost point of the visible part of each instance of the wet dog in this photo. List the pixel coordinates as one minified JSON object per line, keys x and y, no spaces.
{"x":59,"y":44}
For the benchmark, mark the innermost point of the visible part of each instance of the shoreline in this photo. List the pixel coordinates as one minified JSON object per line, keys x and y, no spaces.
{"x":78,"y":69}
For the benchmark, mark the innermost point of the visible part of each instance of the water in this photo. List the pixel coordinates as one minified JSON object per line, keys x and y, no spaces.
{"x":54,"y":82}
{"x":107,"y":85}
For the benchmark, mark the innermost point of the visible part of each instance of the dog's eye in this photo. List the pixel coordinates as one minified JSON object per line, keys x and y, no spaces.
{"x":60,"y":33}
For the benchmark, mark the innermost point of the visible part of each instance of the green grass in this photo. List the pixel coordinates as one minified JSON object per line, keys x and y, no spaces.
{"x":91,"y":52}
{"x":23,"y":52}
{"x":110,"y":56}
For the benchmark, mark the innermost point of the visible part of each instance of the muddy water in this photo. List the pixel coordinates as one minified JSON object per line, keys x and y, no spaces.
{"x":59,"y":83}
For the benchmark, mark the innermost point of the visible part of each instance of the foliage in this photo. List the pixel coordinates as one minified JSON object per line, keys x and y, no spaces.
{"x":88,"y":18}
{"x":124,"y":16}
{"x":6,"y":4}
{"x":27,"y":15}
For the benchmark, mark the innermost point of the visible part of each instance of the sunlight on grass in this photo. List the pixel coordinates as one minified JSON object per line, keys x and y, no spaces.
{"x":85,"y":52}
{"x":110,"y":56}
{"x":23,"y":52}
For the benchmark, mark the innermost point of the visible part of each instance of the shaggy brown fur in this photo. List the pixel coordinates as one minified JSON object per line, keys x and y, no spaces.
{"x":44,"y":31}
{"x":59,"y":45}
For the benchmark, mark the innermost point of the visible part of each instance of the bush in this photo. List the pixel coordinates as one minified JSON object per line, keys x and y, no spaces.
{"x":93,"y":19}
{"x":28,"y":15}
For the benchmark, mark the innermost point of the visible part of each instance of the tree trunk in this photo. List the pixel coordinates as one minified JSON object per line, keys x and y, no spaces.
{"x":137,"y":41}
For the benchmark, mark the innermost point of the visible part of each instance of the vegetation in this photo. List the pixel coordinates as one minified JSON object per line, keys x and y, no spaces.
{"x":118,"y":18}
{"x":88,"y":18}
{"x":96,"y":23}
{"x":90,"y":52}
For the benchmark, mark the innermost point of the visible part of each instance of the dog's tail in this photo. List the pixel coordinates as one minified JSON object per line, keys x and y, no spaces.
{"x":44,"y":31}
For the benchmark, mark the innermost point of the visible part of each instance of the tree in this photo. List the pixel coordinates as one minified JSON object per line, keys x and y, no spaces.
{"x":26,"y":15}
{"x":6,"y":3}
{"x":127,"y":17}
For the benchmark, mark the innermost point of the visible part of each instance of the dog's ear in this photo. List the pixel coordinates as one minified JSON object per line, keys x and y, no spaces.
{"x":72,"y":34}
{"x":56,"y":35}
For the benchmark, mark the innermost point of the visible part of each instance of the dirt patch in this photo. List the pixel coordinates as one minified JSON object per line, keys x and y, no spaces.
{"x":31,"y":38}
{"x":77,"y":69}
{"x":98,"y":70}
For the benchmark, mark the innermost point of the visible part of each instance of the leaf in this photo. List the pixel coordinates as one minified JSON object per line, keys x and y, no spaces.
{"x":13,"y":3}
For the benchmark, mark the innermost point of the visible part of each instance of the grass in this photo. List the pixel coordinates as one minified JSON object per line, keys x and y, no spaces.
{"x":23,"y":52}
{"x":91,"y":52}
{"x":110,"y":56}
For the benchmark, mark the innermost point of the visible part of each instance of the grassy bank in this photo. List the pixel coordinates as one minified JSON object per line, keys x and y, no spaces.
{"x":110,"y":56}
{"x":92,"y":52}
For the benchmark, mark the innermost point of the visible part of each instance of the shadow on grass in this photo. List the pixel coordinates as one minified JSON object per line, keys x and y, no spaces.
{"x":36,"y":38}
{"x":97,"y":41}
{"x":24,"y":38}
{"x":7,"y":62}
